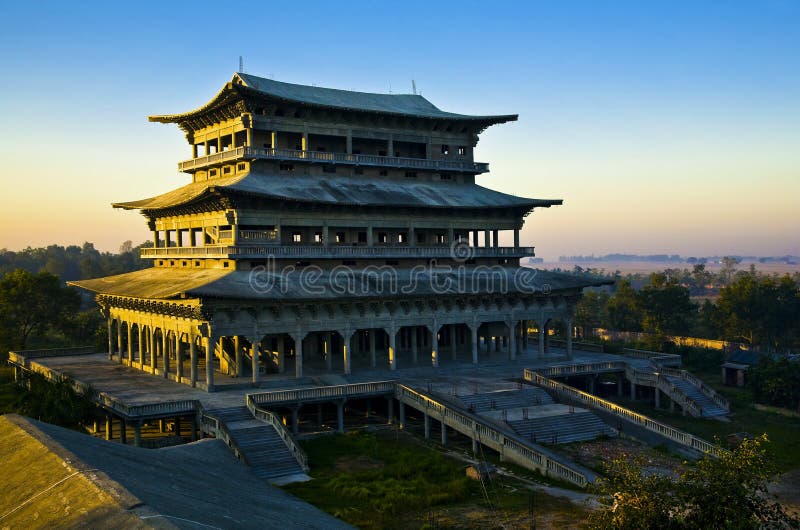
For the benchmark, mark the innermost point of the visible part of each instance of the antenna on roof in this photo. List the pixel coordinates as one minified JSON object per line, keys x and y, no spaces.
{"x":241,"y":64}
{"x":390,"y":87}
{"x":413,"y":87}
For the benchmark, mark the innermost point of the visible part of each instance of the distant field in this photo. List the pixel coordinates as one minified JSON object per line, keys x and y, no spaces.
{"x":647,"y":267}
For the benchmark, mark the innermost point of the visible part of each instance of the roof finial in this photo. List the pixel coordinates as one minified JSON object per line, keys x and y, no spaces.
{"x":241,"y":64}
{"x":413,"y":87}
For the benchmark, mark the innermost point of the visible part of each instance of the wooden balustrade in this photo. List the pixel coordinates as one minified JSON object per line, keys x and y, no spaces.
{"x":270,"y":418}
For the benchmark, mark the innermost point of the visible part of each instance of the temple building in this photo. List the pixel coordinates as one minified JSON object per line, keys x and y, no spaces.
{"x":326,"y":230}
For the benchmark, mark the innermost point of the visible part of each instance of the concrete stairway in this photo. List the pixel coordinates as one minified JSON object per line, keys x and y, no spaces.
{"x":505,"y":399}
{"x":562,"y":428}
{"x":706,"y":404}
{"x":268,"y":456}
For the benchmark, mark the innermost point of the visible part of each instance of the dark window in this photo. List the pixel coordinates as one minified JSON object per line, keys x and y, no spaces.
{"x":359,"y":171}
{"x":161,"y":262}
{"x":171,"y":263}
{"x":445,"y":176}
{"x":383,"y":237}
{"x":226,"y":170}
{"x":196,"y":263}
{"x":356,"y":151}
{"x":340,"y":237}
{"x":411,"y":174}
{"x":297,"y":237}
{"x":321,"y":149}
{"x":329,"y":169}
{"x":381,"y":153}
{"x":183,"y":263}
{"x":462,"y":150}
{"x":445,"y":149}
{"x":362,"y":237}
{"x":441,"y":239}
{"x":225,"y":265}
{"x":402,"y":237}
{"x":420,"y":237}
{"x":240,"y":166}
{"x":212,"y":173}
{"x":383,"y":173}
{"x":317,"y":237}
{"x":279,"y":112}
{"x":392,"y":262}
{"x":349,"y":263}
{"x":303,"y":263}
{"x":287,"y":167}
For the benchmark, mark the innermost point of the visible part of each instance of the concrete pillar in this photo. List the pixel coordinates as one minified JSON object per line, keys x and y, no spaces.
{"x":255,"y":360}
{"x":130,"y":344}
{"x":569,"y":331}
{"x":590,"y":385}
{"x":165,"y":352}
{"x":123,"y":431}
{"x":496,"y":238}
{"x":153,"y":348}
{"x":211,"y":345}
{"x":141,"y":346}
{"x":541,"y":339}
{"x":390,"y":410}
{"x":435,"y":345}
{"x":392,"y":348}
{"x":109,"y":427}
{"x":119,"y":340}
{"x":298,"y":353}
{"x":178,"y":357}
{"x":444,"y":434}
{"x":516,"y":237}
{"x":402,"y":413}
{"x":347,"y":350}
{"x":633,"y":391}
{"x":658,"y":398}
{"x":620,"y":381}
{"x":110,"y":340}
{"x":237,"y":348}
{"x":137,"y":433}
{"x":414,"y":333}
{"x":372,"y":348}
{"x":192,"y":362}
{"x":486,"y":238}
{"x":475,"y":242}
{"x":349,"y":142}
{"x":512,"y":342}
{"x":474,"y":330}
{"x":340,"y":416}
{"x":281,"y":355}
{"x":427,"y":426}
{"x":474,"y":444}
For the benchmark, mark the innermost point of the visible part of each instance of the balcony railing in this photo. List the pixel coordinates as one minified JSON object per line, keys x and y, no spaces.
{"x":292,"y":155}
{"x":333,"y":252}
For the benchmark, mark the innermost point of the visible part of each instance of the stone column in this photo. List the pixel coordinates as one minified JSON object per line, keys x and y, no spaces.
{"x":141,"y":346}
{"x":474,"y":330}
{"x":414,"y":332}
{"x":123,"y":431}
{"x":298,"y":353}
{"x":486,"y":238}
{"x":237,"y":347}
{"x":372,"y":362}
{"x":349,"y":142}
{"x":402,"y":414}
{"x":444,"y":433}
{"x":340,"y":416}
{"x":165,"y":352}
{"x":392,"y":348}
{"x":281,"y":355}
{"x":496,"y":238}
{"x":109,"y":427}
{"x":347,"y":350}
{"x":178,"y":359}
{"x":130,"y":344}
{"x":633,"y":391}
{"x":427,"y":426}
{"x":192,"y":361}
{"x":620,"y":380}
{"x":211,"y":346}
{"x":435,"y":345}
{"x":255,"y":356}
{"x":153,"y":349}
{"x":657,"y":397}
{"x":110,"y":340}
{"x":516,"y":237}
{"x":541,"y":339}
{"x":137,"y":433}
{"x":119,"y":340}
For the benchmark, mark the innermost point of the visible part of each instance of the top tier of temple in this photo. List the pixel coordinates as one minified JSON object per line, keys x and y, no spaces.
{"x":289,"y":126}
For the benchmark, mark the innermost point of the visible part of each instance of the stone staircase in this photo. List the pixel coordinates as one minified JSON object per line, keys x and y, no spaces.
{"x":505,"y":399}
{"x":262,"y":447}
{"x":577,"y":426}
{"x":707,"y":405}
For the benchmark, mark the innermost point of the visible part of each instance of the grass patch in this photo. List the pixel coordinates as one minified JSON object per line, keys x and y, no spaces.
{"x":376,"y":480}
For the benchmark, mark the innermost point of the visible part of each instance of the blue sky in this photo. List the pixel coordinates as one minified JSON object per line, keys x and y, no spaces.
{"x":665,"y":126}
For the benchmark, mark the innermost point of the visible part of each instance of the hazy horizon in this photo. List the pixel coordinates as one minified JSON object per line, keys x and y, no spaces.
{"x":666,"y":127}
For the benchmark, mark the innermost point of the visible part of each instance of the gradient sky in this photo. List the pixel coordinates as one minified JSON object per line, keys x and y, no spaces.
{"x":667,"y":127}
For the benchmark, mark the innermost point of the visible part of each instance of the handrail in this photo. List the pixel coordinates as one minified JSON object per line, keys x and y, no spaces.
{"x":525,"y":453}
{"x":268,"y":417}
{"x":220,"y":430}
{"x":660,"y":357}
{"x":321,"y":393}
{"x":24,"y":355}
{"x":697,"y":382}
{"x":576,"y":345}
{"x":576,"y":369}
{"x":272,"y":153}
{"x":591,"y":401}
{"x":331,"y":251}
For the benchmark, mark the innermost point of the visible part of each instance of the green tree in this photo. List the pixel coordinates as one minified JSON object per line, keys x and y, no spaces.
{"x":725,"y":492}
{"x":666,"y":306}
{"x":624,"y":309}
{"x":776,"y":382}
{"x":33,"y":304}
{"x":591,"y":311}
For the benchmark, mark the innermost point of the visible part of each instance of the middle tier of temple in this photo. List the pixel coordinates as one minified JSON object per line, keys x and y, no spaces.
{"x":338,"y":220}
